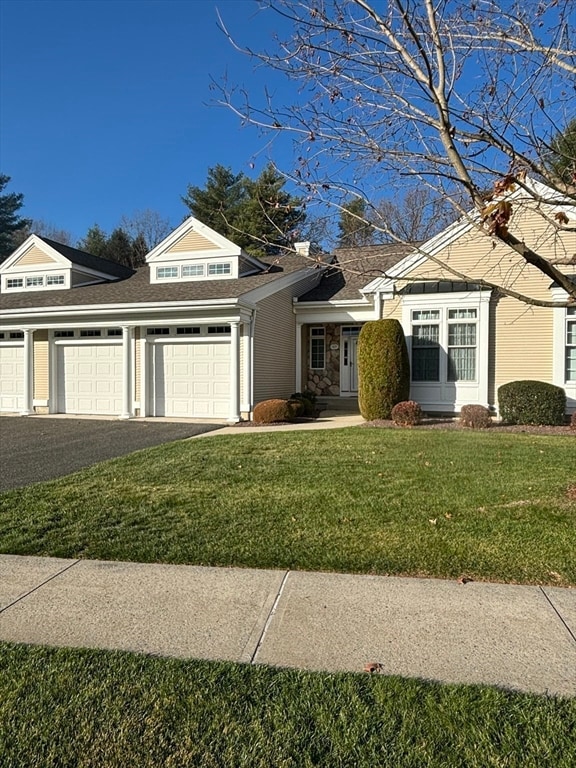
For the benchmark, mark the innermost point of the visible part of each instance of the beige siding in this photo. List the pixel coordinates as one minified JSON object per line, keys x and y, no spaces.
{"x":520,"y":340}
{"x":275,"y":343}
{"x":33,"y":256}
{"x":192,"y":241}
{"x":41,"y":373}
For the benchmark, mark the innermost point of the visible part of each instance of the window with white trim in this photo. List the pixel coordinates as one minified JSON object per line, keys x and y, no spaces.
{"x":193,"y":270}
{"x":16,"y":334}
{"x":220,"y":268}
{"x":54,"y":279}
{"x":455,"y":330}
{"x":570,"y":359}
{"x":165,"y":273}
{"x":90,"y":333}
{"x":462,"y":344}
{"x":63,"y":334}
{"x":34,"y":280}
{"x":317,"y":349}
{"x":15,"y":282}
{"x":157,"y":331}
{"x":218,"y":330}
{"x":425,"y":345}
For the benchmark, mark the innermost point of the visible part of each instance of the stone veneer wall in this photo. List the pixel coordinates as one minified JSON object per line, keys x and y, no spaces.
{"x":327,"y":381}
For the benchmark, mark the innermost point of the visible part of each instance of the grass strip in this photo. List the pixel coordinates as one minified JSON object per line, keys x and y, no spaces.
{"x":99,"y":709}
{"x":438,"y":503}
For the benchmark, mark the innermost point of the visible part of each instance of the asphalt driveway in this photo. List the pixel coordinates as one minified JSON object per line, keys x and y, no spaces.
{"x":36,"y":449}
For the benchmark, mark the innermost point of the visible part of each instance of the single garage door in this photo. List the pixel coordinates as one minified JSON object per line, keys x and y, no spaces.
{"x":11,"y":378}
{"x":90,"y":378}
{"x":190,"y":380}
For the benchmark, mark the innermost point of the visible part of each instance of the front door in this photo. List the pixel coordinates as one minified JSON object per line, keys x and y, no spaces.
{"x":349,"y":369}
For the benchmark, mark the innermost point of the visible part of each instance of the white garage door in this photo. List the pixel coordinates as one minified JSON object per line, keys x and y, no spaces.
{"x":90,"y":379}
{"x":11,"y":378}
{"x":191,"y":380}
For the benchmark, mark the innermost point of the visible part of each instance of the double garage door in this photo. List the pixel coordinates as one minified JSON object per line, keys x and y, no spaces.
{"x":11,"y":378}
{"x":190,"y":379}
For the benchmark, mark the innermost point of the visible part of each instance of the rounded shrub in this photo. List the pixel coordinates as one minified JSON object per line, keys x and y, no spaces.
{"x":532,"y":402}
{"x":383,"y":368}
{"x":270,"y":411}
{"x":407,"y":413}
{"x":308,"y":400}
{"x":297,"y":407}
{"x":475,"y":417}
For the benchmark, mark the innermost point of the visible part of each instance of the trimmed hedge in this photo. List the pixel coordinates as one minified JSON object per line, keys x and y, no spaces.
{"x":532,"y":402}
{"x":383,"y":368}
{"x":271,"y":411}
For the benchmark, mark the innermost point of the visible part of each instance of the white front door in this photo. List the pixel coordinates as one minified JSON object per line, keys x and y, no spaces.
{"x":348,"y":366}
{"x":89,"y":378}
{"x":11,"y":378}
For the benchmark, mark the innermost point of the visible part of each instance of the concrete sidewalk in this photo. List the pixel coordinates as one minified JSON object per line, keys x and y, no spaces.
{"x":520,"y":637}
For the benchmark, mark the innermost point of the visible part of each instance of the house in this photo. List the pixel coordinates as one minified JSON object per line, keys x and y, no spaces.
{"x":206,"y":331}
{"x":464,"y":339}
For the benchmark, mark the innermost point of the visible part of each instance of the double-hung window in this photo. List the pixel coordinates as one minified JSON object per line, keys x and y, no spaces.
{"x":462,"y":344}
{"x":426,"y":345}
{"x":570,"y":367}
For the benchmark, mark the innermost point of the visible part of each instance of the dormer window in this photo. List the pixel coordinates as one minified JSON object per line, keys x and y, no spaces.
{"x":54,"y":279}
{"x":165,"y":273}
{"x":220,"y":268}
{"x":15,"y":282}
{"x":193,"y":270}
{"x":34,"y":281}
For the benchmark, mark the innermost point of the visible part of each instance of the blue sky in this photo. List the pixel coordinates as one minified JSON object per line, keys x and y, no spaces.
{"x":105,"y":105}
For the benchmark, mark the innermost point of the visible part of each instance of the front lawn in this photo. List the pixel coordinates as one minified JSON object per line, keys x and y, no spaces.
{"x":436,"y":503}
{"x":62,"y":708}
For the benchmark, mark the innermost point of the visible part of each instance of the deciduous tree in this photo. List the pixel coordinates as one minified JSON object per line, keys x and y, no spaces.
{"x":465,"y":99}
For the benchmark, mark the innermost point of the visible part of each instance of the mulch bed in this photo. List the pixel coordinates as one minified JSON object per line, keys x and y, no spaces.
{"x":435,"y":423}
{"x":448,"y":423}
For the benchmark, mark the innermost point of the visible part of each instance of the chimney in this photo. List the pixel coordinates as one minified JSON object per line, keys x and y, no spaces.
{"x":303,"y":248}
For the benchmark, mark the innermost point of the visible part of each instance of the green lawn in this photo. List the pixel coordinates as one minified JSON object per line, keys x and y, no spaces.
{"x":437,"y":503}
{"x":62,"y":708}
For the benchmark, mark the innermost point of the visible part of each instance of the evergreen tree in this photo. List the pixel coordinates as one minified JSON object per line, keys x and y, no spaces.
{"x":119,"y":248}
{"x":10,"y":222}
{"x":353,"y":228}
{"x":95,"y":241}
{"x":269,"y":215}
{"x":217,"y":204}
{"x":562,"y":160}
{"x":258,"y":215}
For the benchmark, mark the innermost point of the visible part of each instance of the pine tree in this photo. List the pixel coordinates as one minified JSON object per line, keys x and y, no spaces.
{"x":217,"y":204}
{"x":562,"y":159}
{"x":119,"y":248}
{"x":95,"y":241}
{"x":353,"y":228}
{"x":139,"y":251}
{"x":10,"y":222}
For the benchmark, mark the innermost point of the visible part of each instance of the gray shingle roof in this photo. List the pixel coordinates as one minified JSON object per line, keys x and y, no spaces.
{"x":84,"y":259}
{"x":354,"y":268}
{"x":138,"y":289}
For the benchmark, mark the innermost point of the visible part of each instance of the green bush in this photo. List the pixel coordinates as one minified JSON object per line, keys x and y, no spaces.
{"x":271,"y":411}
{"x":383,"y":368}
{"x":297,"y":407}
{"x":532,"y":402}
{"x":407,"y":413}
{"x":308,"y":400}
{"x":475,"y":417}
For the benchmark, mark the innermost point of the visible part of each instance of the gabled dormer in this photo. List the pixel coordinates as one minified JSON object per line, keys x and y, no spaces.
{"x":40,"y":264}
{"x":194,"y":251}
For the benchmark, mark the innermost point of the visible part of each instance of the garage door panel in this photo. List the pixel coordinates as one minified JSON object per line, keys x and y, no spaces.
{"x":190,"y":380}
{"x":11,"y":378}
{"x":90,"y":379}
